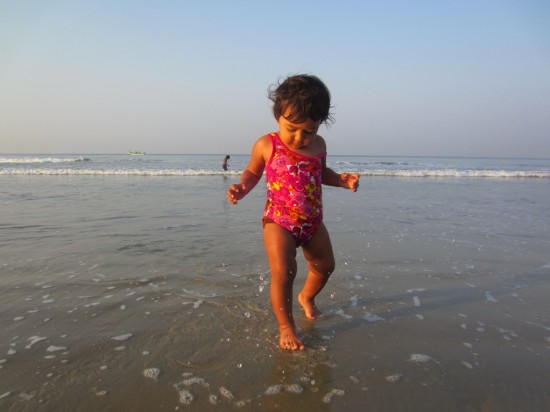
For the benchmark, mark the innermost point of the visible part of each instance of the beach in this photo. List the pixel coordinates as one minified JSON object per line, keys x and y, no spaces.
{"x":140,"y":287}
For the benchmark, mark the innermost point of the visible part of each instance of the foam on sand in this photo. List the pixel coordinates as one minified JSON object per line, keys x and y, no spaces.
{"x":151,"y":373}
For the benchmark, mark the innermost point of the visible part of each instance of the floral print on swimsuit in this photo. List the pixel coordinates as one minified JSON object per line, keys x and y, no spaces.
{"x":294,"y":191}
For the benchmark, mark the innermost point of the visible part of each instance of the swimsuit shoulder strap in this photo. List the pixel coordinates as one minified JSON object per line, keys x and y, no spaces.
{"x":275,"y":143}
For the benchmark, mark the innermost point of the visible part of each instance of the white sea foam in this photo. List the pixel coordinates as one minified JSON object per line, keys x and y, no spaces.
{"x":195,"y":380}
{"x":123,"y":337}
{"x":274,"y":389}
{"x":328,"y":397}
{"x":294,"y":388}
{"x":467,"y":364}
{"x":34,"y":340}
{"x":112,"y":172}
{"x":419,"y":358}
{"x":226,"y":393}
{"x":186,"y":397}
{"x":242,"y":403}
{"x":151,"y":373}
{"x":200,"y":295}
{"x":53,"y":348}
{"x":41,"y":167}
{"x":41,"y":160}
{"x":457,"y":173}
{"x":394,"y":378}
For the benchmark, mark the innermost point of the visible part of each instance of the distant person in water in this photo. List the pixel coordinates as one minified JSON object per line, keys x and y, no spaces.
{"x":225,"y":165}
{"x":294,"y":160}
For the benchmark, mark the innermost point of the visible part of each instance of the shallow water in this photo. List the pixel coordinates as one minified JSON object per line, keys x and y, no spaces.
{"x":439,"y":301}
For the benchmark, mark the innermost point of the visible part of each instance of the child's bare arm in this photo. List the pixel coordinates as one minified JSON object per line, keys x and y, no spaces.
{"x":253,"y":172}
{"x":237,"y":191}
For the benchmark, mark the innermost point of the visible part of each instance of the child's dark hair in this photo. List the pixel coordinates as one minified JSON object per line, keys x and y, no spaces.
{"x":305,"y":95}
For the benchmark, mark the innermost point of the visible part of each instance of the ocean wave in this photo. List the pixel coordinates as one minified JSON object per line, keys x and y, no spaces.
{"x":369,"y":163}
{"x":412,"y":173}
{"x":41,"y":160}
{"x":455,"y":173}
{"x":115,"y":172}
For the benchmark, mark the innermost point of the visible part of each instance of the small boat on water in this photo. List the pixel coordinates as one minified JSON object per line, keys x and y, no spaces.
{"x":131,"y":153}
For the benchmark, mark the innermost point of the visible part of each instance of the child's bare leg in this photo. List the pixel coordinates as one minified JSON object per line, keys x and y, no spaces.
{"x":318,"y":253}
{"x":281,"y":251}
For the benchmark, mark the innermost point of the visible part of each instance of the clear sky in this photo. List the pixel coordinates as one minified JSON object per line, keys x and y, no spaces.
{"x":443,"y":78}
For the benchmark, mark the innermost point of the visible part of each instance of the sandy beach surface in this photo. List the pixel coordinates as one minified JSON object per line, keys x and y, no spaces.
{"x":146,"y":293}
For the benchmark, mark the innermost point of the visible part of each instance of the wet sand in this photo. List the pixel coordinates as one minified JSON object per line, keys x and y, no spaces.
{"x":158,"y":299}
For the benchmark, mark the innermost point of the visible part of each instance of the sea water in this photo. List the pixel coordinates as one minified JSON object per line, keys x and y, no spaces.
{"x":131,"y":283}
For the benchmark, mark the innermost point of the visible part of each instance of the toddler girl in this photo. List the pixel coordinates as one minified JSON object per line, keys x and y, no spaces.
{"x":294,"y":161}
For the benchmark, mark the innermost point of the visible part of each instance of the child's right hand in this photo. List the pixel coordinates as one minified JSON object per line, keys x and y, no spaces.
{"x":236,"y":192}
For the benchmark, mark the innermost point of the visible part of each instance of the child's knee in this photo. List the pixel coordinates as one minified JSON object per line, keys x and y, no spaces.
{"x":324,"y":267}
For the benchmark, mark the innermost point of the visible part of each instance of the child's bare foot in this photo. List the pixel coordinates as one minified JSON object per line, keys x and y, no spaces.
{"x":309,"y":307}
{"x":288,"y":339}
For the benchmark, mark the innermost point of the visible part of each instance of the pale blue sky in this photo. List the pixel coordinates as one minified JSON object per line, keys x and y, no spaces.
{"x":446,"y":78}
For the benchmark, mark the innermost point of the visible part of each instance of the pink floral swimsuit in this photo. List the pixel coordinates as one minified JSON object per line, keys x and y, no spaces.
{"x":294,"y":191}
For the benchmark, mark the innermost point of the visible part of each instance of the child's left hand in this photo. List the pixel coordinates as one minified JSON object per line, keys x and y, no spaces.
{"x":350,"y":181}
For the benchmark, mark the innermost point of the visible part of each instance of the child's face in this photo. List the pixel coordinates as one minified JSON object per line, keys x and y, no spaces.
{"x":298,"y":135}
